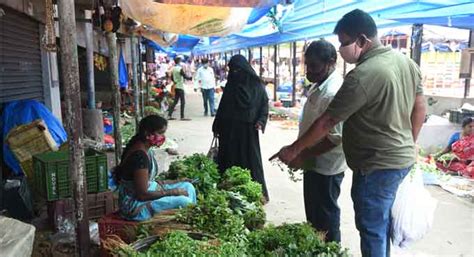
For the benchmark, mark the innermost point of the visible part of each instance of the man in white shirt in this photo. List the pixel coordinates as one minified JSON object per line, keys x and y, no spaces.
{"x":207,"y":83}
{"x":324,"y":164}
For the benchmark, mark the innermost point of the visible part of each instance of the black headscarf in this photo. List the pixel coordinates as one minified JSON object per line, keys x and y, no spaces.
{"x":244,"y":93}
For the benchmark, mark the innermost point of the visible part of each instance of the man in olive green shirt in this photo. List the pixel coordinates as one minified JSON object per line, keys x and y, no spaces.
{"x":178,"y":76}
{"x":381,"y":103}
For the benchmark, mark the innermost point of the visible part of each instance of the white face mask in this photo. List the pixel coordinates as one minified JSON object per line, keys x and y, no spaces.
{"x":350,"y":53}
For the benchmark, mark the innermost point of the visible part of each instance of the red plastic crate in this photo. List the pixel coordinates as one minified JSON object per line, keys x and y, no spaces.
{"x":113,"y":224}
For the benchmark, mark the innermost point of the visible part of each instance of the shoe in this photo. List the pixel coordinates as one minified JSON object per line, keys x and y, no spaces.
{"x":213,"y":115}
{"x":171,"y":118}
{"x":185,"y":119}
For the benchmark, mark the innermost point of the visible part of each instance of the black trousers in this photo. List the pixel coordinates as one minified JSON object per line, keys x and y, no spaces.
{"x":179,"y":96}
{"x":320,"y":201}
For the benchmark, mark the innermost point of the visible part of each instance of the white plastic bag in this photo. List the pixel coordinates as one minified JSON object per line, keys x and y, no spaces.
{"x":412,"y":211}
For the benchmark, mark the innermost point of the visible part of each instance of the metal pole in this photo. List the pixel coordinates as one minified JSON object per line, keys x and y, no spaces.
{"x":136,"y":91}
{"x":275,"y":69}
{"x":467,"y":82}
{"x":416,"y":40}
{"x":72,"y":93}
{"x":293,"y":60}
{"x":140,"y":77}
{"x":249,"y":55}
{"x":261,"y":63}
{"x":113,"y":67}
{"x":89,"y":33}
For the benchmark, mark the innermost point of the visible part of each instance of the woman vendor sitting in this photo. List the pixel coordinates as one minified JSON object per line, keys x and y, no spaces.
{"x":140,"y":196}
{"x":467,"y":130}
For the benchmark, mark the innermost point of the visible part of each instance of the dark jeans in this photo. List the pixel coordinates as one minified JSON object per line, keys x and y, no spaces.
{"x":320,"y":201}
{"x":179,"y":96}
{"x":373,"y":196}
{"x":208,"y":98}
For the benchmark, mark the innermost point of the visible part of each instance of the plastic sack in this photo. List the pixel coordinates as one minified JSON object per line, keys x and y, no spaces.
{"x":198,"y":20}
{"x":412,"y":211}
{"x":23,"y":112}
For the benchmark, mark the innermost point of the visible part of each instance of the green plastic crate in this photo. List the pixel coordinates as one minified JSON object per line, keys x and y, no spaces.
{"x":52,"y":174}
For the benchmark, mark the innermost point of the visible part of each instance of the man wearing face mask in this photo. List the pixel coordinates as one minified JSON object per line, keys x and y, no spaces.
{"x":325,"y":164}
{"x":207,"y":83}
{"x":381,"y":103}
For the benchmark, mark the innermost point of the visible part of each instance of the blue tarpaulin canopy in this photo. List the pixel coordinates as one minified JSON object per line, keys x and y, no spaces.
{"x":458,"y":16}
{"x":309,"y":19}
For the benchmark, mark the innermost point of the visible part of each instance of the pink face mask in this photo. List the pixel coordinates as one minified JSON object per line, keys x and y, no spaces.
{"x":156,"y":139}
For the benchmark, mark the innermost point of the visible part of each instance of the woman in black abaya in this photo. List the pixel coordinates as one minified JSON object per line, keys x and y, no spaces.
{"x":242,"y":112}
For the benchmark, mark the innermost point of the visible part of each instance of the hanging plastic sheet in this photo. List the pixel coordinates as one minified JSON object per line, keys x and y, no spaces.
{"x":23,"y":112}
{"x":123,"y":73}
{"x":196,"y":20}
{"x":226,"y":3}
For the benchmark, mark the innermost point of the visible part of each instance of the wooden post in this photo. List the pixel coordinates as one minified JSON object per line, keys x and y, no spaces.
{"x":113,"y":68}
{"x":416,"y":41}
{"x":72,"y":93}
{"x":275,"y":71}
{"x":293,"y":62}
{"x":140,"y":77}
{"x":89,"y":33}
{"x":136,"y":91}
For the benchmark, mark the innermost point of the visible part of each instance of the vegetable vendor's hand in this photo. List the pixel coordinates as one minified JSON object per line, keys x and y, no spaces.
{"x":258,"y":126}
{"x":299,"y":162}
{"x":286,"y":154}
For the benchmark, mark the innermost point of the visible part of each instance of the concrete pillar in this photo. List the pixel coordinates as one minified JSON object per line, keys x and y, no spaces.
{"x":89,"y":33}
{"x":70,"y":75}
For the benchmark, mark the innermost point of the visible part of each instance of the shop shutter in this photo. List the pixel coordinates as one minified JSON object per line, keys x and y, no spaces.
{"x":20,"y":57}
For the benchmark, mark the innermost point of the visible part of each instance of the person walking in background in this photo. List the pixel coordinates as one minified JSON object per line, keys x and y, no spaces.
{"x":382,"y":105}
{"x":242,"y":113}
{"x":324,"y":165}
{"x":207,"y":83}
{"x":178,"y":76}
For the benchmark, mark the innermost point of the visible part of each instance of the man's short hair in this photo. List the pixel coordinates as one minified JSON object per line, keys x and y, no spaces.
{"x":177,"y":60}
{"x":204,"y":61}
{"x":355,"y":23}
{"x":322,"y":50}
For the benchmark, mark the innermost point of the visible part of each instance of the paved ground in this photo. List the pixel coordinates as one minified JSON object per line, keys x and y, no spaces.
{"x":452,"y":232}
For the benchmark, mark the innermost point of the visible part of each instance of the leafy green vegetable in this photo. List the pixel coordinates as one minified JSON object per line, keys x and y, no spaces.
{"x":253,"y":213}
{"x":291,"y":240}
{"x":151,"y":110}
{"x":252,"y":191}
{"x":213,"y":215}
{"x":127,"y":131}
{"x":197,"y":166}
{"x":239,"y":180}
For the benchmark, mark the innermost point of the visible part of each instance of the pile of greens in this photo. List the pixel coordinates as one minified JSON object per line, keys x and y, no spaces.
{"x":233,"y":213}
{"x":238,"y":180}
{"x":152,"y":110}
{"x":213,"y":215}
{"x":127,"y":131}
{"x":291,"y":240}
{"x":197,"y":166}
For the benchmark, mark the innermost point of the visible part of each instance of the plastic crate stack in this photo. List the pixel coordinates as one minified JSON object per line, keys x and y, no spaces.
{"x":52,"y":181}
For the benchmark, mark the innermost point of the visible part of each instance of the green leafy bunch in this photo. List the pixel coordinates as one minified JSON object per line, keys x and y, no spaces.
{"x":291,"y":240}
{"x":213,"y":215}
{"x":196,"y":166}
{"x":253,"y":213}
{"x":239,"y":180}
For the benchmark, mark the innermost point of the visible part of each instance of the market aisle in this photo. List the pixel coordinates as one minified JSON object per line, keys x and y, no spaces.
{"x":452,"y":232}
